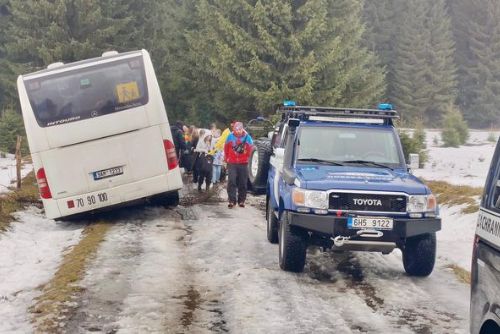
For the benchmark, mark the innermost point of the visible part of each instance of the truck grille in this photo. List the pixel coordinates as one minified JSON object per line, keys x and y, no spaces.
{"x":367,"y":202}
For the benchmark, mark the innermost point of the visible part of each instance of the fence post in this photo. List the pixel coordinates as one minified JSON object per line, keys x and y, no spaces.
{"x":18,"y":161}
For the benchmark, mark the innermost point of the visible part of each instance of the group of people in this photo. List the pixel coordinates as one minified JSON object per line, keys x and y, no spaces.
{"x":211,"y":154}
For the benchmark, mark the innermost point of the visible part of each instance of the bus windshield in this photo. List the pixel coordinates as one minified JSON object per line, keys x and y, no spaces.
{"x":88,"y":92}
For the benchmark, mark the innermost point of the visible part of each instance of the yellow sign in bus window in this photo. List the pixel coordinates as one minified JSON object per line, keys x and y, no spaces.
{"x":127,"y":92}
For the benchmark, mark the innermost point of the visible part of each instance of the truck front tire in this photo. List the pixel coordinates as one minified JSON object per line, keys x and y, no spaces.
{"x":419,"y":255}
{"x":292,"y":246}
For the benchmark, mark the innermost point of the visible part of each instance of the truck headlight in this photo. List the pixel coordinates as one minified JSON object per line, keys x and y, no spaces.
{"x":421,"y":204}
{"x":310,"y":198}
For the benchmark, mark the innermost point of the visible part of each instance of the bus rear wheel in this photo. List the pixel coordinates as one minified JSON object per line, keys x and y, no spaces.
{"x":169,"y":199}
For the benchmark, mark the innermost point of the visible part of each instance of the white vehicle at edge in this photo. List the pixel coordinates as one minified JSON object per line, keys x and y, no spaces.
{"x":98,"y":133}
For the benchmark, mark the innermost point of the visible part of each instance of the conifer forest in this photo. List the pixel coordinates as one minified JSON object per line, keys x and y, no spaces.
{"x":226,"y":59}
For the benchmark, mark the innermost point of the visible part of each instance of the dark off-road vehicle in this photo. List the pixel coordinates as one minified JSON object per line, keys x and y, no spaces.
{"x":485,"y":271}
{"x":338,"y":179}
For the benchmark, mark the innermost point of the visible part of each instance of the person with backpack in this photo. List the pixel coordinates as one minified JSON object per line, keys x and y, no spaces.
{"x":237,"y":151}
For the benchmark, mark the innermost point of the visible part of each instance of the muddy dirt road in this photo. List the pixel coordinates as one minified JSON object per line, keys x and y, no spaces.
{"x":208,"y":269}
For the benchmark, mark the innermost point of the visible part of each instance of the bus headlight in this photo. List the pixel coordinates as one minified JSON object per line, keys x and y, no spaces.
{"x":421,"y":203}
{"x":310,"y":198}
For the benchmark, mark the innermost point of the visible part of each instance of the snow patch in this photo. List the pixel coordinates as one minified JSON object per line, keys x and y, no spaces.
{"x":464,"y":165}
{"x":8,"y":172}
{"x":31,"y":251}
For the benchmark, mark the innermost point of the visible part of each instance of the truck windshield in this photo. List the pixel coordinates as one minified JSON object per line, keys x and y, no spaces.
{"x":88,"y":92}
{"x":349,"y":145}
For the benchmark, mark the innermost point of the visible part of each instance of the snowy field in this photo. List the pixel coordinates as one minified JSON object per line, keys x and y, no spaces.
{"x":207,"y":269}
{"x":465,"y":165}
{"x":8,"y":172}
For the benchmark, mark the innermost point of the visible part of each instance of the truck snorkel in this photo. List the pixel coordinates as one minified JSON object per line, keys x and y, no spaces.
{"x":288,"y":171}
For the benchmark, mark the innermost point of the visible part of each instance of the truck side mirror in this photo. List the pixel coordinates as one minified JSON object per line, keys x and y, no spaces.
{"x":293,"y":122}
{"x":414,"y":161}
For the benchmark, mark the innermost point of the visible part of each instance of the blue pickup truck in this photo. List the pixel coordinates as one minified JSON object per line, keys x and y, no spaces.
{"x":338,"y":179}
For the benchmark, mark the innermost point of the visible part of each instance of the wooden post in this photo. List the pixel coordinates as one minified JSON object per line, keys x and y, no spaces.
{"x":18,"y":161}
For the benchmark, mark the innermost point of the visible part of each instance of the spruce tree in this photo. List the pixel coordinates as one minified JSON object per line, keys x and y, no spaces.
{"x":189,"y":94}
{"x":424,"y":69}
{"x":7,"y":79}
{"x":261,"y":52}
{"x":411,"y":92}
{"x":44,"y":31}
{"x":382,"y":19}
{"x":477,"y":33}
{"x":442,"y":74}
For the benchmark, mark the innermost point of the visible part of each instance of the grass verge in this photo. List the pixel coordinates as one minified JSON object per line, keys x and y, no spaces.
{"x":449,"y":194}
{"x":462,"y":274}
{"x":18,"y":199}
{"x":53,"y":305}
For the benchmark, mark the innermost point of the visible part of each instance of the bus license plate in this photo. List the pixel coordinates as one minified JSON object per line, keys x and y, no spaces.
{"x":102,"y":174}
{"x":376,"y":223}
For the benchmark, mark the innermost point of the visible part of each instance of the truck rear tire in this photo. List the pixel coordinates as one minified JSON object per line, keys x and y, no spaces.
{"x":419,"y":255}
{"x":258,"y":165}
{"x":292,"y":247}
{"x":272,"y":223}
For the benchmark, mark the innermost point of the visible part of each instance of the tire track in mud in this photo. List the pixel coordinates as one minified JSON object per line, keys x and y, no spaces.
{"x":112,"y":293}
{"x":55,"y":305}
{"x":106,"y":284}
{"x":423,"y":316}
{"x":202,"y":308}
{"x":387,"y":295}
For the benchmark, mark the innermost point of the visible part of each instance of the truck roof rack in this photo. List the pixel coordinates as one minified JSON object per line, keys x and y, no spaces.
{"x":305,"y":112}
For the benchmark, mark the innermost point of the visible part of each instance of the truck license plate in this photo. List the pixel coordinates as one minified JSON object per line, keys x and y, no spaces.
{"x":102,"y":174}
{"x":376,"y":223}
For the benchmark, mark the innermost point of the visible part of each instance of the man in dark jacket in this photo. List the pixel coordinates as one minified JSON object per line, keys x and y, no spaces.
{"x":237,"y":152}
{"x":178,"y":137}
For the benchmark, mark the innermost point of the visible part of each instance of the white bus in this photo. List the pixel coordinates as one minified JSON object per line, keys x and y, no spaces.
{"x":98,"y":134}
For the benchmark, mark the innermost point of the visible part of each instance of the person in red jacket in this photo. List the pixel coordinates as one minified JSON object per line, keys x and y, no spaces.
{"x":237,"y":150}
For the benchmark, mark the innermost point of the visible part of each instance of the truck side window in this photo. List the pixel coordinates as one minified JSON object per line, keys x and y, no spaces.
{"x":493,"y":202}
{"x":496,"y":193}
{"x":284,"y":137}
{"x":276,"y":141}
